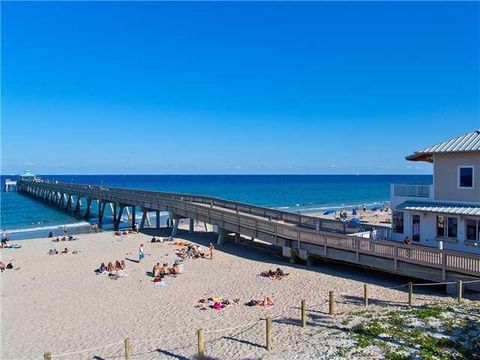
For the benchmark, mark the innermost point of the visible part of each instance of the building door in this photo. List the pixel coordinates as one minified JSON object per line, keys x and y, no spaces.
{"x":416,"y":227}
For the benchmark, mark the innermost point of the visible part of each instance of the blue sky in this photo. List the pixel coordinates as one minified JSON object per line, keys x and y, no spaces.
{"x":249,"y":88}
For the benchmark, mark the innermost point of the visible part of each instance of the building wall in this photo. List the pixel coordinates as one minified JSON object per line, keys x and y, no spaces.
{"x":445,"y":170}
{"x":428,"y":233}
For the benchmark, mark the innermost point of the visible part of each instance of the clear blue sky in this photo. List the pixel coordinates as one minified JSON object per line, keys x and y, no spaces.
{"x":188,"y":88}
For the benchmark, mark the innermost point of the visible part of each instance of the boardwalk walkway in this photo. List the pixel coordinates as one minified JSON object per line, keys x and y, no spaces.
{"x":299,"y":236}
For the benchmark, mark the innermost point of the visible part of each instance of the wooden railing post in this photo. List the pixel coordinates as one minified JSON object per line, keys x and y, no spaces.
{"x":268,"y":333}
{"x":331,"y":303}
{"x":304,"y":313}
{"x":365,"y":294}
{"x":128,"y":349}
{"x":459,"y":290}
{"x":410,"y":293}
{"x":201,"y":344}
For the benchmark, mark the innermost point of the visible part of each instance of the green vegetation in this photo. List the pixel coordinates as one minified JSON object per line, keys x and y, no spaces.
{"x":433,"y":332}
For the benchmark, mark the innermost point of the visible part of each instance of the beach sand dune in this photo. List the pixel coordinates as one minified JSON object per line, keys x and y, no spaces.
{"x":58,"y":304}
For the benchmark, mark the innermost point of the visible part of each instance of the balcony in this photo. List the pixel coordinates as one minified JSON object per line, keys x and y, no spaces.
{"x":424,"y":191}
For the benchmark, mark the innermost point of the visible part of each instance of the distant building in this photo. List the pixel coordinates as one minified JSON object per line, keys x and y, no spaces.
{"x":445,"y":214}
{"x":27,"y":175}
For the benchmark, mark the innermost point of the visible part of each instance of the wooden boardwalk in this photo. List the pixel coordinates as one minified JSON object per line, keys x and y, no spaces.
{"x":301,"y":237}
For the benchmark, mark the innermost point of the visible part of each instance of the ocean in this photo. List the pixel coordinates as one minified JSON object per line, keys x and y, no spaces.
{"x":304,"y":193}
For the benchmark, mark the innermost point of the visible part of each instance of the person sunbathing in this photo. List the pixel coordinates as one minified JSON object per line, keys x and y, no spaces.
{"x":2,"y":266}
{"x":101,"y":269}
{"x":156,"y":270}
{"x":56,"y":240}
{"x":117,"y":265}
{"x":65,"y":251}
{"x":165,"y":270}
{"x":174,"y":269}
{"x":122,"y":265}
{"x":267,"y":301}
{"x":64,"y":238}
{"x":110,"y":267}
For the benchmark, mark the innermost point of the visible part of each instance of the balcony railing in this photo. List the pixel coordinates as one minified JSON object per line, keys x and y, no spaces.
{"x":412,"y":190}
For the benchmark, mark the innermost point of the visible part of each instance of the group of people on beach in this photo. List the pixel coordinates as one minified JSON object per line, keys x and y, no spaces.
{"x":160,"y":271}
{"x":54,"y":251}
{"x":111,"y":268}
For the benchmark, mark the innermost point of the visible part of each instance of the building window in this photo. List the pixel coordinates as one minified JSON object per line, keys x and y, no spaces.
{"x":447,"y":227}
{"x":465,"y":177}
{"x":397,"y":222}
{"x":472,"y":230}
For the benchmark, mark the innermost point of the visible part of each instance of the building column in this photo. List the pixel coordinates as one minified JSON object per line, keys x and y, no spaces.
{"x":157,"y":219}
{"x":237,"y":238}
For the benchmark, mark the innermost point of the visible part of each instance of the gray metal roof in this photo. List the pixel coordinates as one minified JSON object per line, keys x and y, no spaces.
{"x":464,"y":143}
{"x":442,"y":208}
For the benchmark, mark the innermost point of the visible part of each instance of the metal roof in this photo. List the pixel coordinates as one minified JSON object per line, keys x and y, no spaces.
{"x":443,"y":208}
{"x":465,"y":143}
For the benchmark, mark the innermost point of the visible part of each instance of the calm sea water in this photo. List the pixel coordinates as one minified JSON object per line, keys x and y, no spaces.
{"x":290,"y":192}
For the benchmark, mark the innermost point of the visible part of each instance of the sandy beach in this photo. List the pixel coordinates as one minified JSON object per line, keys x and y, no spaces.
{"x":58,"y":304}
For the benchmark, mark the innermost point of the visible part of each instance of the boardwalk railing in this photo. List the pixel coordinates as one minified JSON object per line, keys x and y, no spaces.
{"x":269,"y":225}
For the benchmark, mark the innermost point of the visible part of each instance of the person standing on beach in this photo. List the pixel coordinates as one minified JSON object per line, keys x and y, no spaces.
{"x":4,"y":234}
{"x":64,"y":229}
{"x":141,"y":254}
{"x":211,"y":248}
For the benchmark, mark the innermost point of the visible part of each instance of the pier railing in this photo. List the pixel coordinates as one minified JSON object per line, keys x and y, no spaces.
{"x":275,"y":227}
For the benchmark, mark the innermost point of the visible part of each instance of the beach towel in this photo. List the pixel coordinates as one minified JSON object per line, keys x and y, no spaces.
{"x":161,"y":284}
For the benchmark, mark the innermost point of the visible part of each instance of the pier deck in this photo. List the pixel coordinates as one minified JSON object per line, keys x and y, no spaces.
{"x":300,"y":236}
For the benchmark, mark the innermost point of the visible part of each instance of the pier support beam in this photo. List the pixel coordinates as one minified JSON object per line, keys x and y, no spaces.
{"x":237,"y":238}
{"x":142,"y":222}
{"x":116,"y":221}
{"x":134,"y":220}
{"x":175,"y":226}
{"x":157,"y":219}
{"x":191,"y":226}
{"x":77,"y":206}
{"x":101,"y":211}
{"x":221,"y":236}
{"x":89,"y":205}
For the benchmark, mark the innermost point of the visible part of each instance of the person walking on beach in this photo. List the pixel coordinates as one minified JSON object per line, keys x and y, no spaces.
{"x":141,"y":254}
{"x":4,"y":234}
{"x":211,"y":248}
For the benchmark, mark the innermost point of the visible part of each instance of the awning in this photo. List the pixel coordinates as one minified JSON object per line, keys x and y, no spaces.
{"x":443,"y":208}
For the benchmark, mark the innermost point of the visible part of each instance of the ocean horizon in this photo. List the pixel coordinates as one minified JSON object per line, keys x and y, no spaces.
{"x":305,"y":193}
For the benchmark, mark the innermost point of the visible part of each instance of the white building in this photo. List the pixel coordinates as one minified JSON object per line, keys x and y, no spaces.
{"x":446,"y":213}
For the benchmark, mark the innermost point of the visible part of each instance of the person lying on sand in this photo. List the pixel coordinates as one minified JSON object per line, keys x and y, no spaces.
{"x":65,"y":251}
{"x":265,"y":302}
{"x":278,"y":274}
{"x":117,"y":265}
{"x":56,"y":240}
{"x":2,"y":266}
{"x":122,"y":265}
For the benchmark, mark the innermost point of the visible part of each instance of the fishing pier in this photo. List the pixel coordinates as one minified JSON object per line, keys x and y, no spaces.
{"x":300,"y":237}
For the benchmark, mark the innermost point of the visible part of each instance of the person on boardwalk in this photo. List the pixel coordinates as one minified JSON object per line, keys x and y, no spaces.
{"x":141,"y":253}
{"x":211,"y":248}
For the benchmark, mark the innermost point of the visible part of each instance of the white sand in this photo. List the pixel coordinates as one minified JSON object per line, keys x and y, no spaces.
{"x":58,"y":304}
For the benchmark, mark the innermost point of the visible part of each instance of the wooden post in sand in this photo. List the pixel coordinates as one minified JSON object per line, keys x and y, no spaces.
{"x":304,"y":313}
{"x":201,"y":344}
{"x":268,"y":333}
{"x":410,"y":293}
{"x":365,"y":294}
{"x":47,"y":356}
{"x":459,"y":290}
{"x":128,"y":349}
{"x":331,"y":303}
